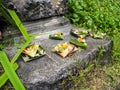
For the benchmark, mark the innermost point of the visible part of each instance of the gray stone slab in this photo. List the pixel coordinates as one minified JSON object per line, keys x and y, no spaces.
{"x":39,"y":26}
{"x":47,"y":72}
{"x":44,"y":73}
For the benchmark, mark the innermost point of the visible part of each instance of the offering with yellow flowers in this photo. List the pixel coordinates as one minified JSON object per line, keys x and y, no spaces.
{"x":79,"y":33}
{"x":99,"y":35}
{"x":65,"y":49}
{"x":33,"y":51}
{"x":57,"y":36}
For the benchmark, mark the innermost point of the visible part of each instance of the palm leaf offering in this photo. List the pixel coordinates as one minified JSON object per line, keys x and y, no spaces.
{"x":33,"y":51}
{"x":98,"y":35}
{"x":80,"y":42}
{"x":79,"y":33}
{"x":57,"y":36}
{"x":65,"y":49}
{"x":85,"y":33}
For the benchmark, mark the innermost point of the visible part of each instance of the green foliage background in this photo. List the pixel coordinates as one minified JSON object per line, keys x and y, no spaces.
{"x":102,"y":15}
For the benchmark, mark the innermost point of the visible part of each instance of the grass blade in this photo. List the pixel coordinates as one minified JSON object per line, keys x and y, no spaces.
{"x":4,"y":77}
{"x":6,"y":15}
{"x":14,"y":79}
{"x":20,"y":51}
{"x":19,"y":24}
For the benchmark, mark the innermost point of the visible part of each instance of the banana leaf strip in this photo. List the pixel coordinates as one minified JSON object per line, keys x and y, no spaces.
{"x":14,"y":79}
{"x":4,"y":77}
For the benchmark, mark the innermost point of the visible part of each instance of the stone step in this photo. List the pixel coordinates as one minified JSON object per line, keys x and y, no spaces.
{"x":38,"y":26}
{"x":46,"y":73}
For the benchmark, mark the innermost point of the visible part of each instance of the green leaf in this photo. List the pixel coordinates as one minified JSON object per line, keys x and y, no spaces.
{"x":20,"y":51}
{"x":104,"y":15}
{"x":89,"y":68}
{"x":75,"y":20}
{"x":4,"y":77}
{"x":75,"y":15}
{"x":19,"y":24}
{"x":6,"y":15}
{"x":14,"y":79}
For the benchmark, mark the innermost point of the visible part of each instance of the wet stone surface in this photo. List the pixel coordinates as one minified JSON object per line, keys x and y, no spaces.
{"x":46,"y":73}
{"x":36,"y":9}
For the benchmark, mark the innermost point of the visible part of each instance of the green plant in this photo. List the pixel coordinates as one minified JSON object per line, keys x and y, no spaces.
{"x":4,"y":76}
{"x":19,"y":24}
{"x":3,"y":12}
{"x":13,"y":19}
{"x":79,"y":77}
{"x":1,"y":46}
{"x":8,"y":66}
{"x":116,"y":49}
{"x":112,"y":75}
{"x":10,"y":72}
{"x":104,"y":16}
{"x":97,"y":15}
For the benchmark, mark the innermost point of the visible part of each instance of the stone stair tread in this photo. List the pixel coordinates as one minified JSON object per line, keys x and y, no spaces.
{"x":39,"y":26}
{"x":52,"y":68}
